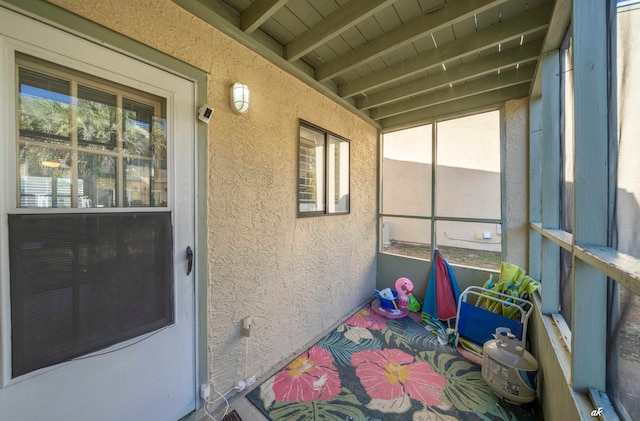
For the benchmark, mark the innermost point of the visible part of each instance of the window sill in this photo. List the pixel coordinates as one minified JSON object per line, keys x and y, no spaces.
{"x":584,"y":403}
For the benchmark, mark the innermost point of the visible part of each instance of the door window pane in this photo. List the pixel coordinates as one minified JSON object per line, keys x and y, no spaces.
{"x":138,"y":127}
{"x":88,"y":143}
{"x":96,"y":181}
{"x":44,"y":177}
{"x":97,"y":114}
{"x":44,"y":111}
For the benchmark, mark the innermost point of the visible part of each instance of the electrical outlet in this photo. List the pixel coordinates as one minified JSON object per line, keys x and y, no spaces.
{"x":205,"y":391}
{"x":240,"y":385}
{"x":247,"y":325}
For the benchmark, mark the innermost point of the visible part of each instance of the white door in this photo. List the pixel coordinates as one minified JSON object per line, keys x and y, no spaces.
{"x":142,"y":376}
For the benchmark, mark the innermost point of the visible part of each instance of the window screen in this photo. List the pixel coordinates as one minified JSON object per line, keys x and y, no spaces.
{"x":83,"y":282}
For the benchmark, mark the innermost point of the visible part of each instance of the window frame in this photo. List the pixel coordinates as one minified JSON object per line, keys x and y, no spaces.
{"x":566,"y":199}
{"x":326,"y":176}
{"x":597,"y":264}
{"x":75,"y":145}
{"x":433,"y":216}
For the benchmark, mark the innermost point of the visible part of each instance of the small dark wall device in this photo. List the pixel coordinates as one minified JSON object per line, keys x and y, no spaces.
{"x":204,"y":113}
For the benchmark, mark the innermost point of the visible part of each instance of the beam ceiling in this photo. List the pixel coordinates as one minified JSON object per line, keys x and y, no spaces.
{"x":395,"y":63}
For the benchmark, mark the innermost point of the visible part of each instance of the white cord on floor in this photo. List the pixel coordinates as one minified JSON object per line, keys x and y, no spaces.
{"x":222,"y":396}
{"x":246,"y":357}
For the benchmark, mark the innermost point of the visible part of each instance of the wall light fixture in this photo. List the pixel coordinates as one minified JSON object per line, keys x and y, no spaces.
{"x":239,"y":98}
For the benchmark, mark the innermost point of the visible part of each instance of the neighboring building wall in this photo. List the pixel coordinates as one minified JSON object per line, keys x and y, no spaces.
{"x":295,"y":277}
{"x":402,"y":199}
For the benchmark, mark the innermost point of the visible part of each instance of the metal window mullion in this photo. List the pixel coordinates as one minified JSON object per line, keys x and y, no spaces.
{"x":73,"y":171}
{"x":329,"y":186}
{"x":120,"y":148}
{"x":434,"y":164}
{"x":503,"y":185}
{"x":325,"y":176}
{"x":380,"y":192}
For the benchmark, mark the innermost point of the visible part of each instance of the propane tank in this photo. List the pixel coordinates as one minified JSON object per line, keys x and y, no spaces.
{"x":509,"y":370}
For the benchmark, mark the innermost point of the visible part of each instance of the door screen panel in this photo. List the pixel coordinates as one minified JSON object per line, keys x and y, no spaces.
{"x":82,"y":282}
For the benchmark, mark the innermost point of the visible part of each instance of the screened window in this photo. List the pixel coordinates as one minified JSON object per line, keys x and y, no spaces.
{"x":624,"y":312}
{"x":452,"y":201}
{"x":323,"y":172}
{"x":82,"y":282}
{"x":598,"y":215}
{"x":566,"y":171}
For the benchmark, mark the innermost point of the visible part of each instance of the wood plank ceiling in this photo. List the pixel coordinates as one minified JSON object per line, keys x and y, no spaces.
{"x":397,"y":63}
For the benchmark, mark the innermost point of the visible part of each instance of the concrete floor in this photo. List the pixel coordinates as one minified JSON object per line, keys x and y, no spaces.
{"x":248,"y":411}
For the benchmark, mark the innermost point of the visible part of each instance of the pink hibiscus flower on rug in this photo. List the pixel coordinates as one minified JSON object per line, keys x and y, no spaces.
{"x":309,"y":377}
{"x":368,"y":319}
{"x":389,"y":374}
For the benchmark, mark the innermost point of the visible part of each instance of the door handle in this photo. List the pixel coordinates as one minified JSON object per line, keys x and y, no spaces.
{"x":189,"y":260}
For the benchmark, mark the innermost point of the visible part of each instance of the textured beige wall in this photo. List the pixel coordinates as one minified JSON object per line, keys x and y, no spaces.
{"x":295,"y":277}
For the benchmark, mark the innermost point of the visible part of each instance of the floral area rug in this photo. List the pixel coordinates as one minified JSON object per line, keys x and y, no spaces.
{"x":372,"y":368}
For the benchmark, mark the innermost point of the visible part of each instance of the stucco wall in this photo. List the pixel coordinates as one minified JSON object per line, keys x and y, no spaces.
{"x":295,"y":277}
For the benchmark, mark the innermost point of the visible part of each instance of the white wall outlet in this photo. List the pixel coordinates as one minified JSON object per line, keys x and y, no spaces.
{"x":205,"y":391}
{"x":486,"y":235}
{"x":247,"y":325}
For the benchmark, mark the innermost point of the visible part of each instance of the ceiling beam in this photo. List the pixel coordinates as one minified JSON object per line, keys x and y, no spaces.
{"x":333,"y":25}
{"x":485,"y":84}
{"x":202,"y":10}
{"x":530,"y":22}
{"x":461,"y":106}
{"x":558,"y":25}
{"x":259,"y":11}
{"x":420,"y":27}
{"x":507,"y":58}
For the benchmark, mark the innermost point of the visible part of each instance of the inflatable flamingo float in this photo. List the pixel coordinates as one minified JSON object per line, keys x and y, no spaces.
{"x":406,"y":301}
{"x":404,"y":287}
